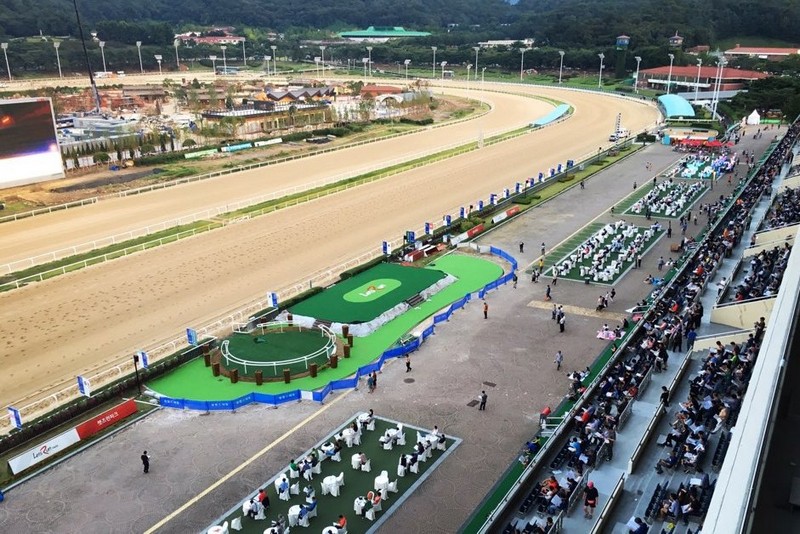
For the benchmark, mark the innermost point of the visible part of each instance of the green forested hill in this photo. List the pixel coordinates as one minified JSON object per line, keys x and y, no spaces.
{"x":567,"y":23}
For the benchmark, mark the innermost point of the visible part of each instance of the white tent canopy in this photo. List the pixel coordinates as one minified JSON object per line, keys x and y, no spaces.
{"x":754,"y":118}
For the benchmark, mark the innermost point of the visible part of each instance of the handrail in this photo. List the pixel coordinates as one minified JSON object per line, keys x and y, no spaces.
{"x":637,"y":452}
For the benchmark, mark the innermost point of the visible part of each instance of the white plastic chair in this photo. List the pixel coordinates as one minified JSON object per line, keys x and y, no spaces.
{"x":337,"y":457}
{"x":340,"y":479}
{"x":303,"y":521}
{"x":236,"y":524}
{"x":317,"y":469}
{"x":325,"y":488}
{"x":294,"y":489}
{"x":367,"y":467}
{"x":308,"y":474}
{"x":393,"y":486}
{"x":355,"y":461}
{"x":441,"y":445}
{"x":224,"y":528}
{"x":313,"y":513}
{"x":415,"y":468}
{"x":348,"y":440}
{"x":370,"y":514}
{"x":401,"y":437}
{"x":357,"y":438}
{"x":357,"y":508}
{"x":387,"y":445}
{"x":293,"y":473}
{"x":401,"y":471}
{"x":371,"y":426}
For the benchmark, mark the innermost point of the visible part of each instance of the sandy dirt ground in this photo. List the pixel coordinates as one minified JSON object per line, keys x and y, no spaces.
{"x":61,"y":230}
{"x":54,"y":330}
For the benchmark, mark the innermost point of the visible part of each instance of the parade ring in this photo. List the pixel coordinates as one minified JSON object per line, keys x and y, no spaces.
{"x":275,"y":346}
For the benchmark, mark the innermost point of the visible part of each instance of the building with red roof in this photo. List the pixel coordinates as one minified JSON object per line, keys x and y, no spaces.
{"x":761,"y":52}
{"x":686,"y":78}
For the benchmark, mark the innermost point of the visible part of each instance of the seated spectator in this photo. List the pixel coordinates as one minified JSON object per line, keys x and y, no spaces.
{"x":669,"y":462}
{"x":263,"y":498}
{"x":249,"y":510}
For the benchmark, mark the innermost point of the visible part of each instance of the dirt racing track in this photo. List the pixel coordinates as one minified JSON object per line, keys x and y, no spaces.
{"x":54,"y":330}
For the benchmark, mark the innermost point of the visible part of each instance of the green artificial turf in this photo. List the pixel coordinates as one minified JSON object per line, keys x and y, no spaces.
{"x":356,"y":483}
{"x":276,"y":347}
{"x":193,"y":380}
{"x":367,"y":295}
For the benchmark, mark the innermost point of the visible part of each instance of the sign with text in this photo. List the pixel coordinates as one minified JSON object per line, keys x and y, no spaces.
{"x":191,"y":336}
{"x":106,"y":419}
{"x":42,"y":452}
{"x":15,"y":417}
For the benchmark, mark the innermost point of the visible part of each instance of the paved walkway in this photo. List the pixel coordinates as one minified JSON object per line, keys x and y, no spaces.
{"x":509,"y":355}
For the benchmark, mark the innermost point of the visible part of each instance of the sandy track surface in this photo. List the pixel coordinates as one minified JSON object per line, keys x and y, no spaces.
{"x":56,"y":329}
{"x":34,"y":236}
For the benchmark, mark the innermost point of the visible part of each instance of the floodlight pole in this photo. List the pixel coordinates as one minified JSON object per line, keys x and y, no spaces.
{"x":213,"y":63}
{"x":322,"y":59}
{"x":561,"y":65}
{"x":476,"y":48}
{"x":274,"y":59}
{"x":58,"y":58}
{"x":244,"y":53}
{"x":669,"y":76}
{"x":224,"y":60}
{"x":369,"y":51}
{"x":636,"y":80}
{"x":522,"y":62}
{"x":434,"y":61}
{"x":600,"y":79}
{"x":697,"y":82}
{"x":103,"y":53}
{"x":5,"y":53}
{"x":139,"y":48}
{"x":159,"y":57}
{"x":176,"y":42}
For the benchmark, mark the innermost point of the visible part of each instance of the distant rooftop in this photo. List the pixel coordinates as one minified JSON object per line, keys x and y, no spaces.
{"x":382,"y":32}
{"x":676,"y":106}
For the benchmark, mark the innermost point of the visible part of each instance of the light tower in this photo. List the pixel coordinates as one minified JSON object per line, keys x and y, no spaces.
{"x":56,"y":44}
{"x":102,"y":45}
{"x":139,"y":48}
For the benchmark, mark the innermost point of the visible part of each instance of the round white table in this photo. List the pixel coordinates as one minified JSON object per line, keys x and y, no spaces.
{"x":330,"y":530}
{"x":331,"y":483}
{"x":381,"y":483}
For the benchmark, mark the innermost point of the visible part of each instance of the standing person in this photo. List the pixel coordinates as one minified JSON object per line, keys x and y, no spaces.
{"x":374,"y":380}
{"x":555,"y":277}
{"x":534,"y":276}
{"x":583,"y":185}
{"x":515,"y":279}
{"x":691,"y":335}
{"x":639,"y":261}
{"x":669,"y":230}
{"x":547,"y":293}
{"x":554,"y":314}
{"x":634,"y":186}
{"x":370,"y":384}
{"x":558,"y":360}
{"x":146,"y":462}
{"x":521,"y":247}
{"x":408,"y":362}
{"x":562,"y":322}
{"x":664,"y":396}
{"x":661,"y":262}
{"x":541,"y":265}
{"x":590,"y":495}
{"x":482,"y":398}
{"x":485,"y":310}
{"x":543,"y":248}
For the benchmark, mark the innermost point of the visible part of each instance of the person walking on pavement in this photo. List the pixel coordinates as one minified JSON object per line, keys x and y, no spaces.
{"x":590,"y":495}
{"x":146,"y":462}
{"x":485,"y":310}
{"x":562,"y":323}
{"x":660,"y":264}
{"x":543,"y":248}
{"x":583,"y":185}
{"x":669,"y":230}
{"x":558,"y":360}
{"x":547,"y":293}
{"x":515,"y":279}
{"x":541,"y":265}
{"x":408,"y":362}
{"x":521,"y":247}
{"x":482,"y":399}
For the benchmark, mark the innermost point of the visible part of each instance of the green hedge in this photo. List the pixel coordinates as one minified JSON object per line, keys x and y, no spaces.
{"x":419,"y":122}
{"x":288,"y":303}
{"x":296,"y":136}
{"x":158,"y":159}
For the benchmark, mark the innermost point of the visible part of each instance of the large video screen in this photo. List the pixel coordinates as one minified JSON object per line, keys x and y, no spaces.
{"x":28,"y":144}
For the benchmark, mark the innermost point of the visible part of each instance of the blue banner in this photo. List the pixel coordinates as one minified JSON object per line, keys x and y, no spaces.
{"x":385,"y":248}
{"x":518,"y":187}
{"x":480,"y":205}
{"x":191,"y":336}
{"x":84,"y":387}
{"x":447,"y":220}
{"x":143,"y":358}
{"x":272,"y":300}
{"x":427,"y":228}
{"x":462,"y":212}
{"x":16,"y":419}
{"x":411,"y":237}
